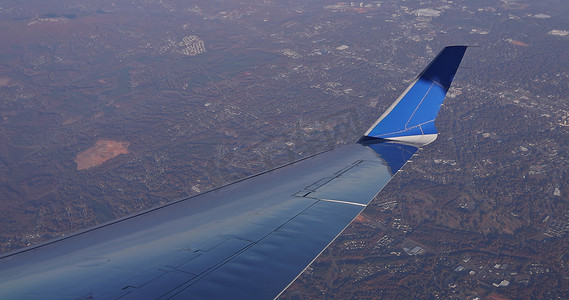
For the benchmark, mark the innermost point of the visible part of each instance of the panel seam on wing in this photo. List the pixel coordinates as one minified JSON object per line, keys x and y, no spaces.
{"x":407,"y":129}
{"x":420,"y":102}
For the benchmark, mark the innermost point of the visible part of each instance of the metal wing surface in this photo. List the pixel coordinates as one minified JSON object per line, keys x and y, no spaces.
{"x":246,"y":240}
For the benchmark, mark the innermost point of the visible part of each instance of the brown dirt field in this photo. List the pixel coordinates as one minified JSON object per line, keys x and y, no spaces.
{"x":100,"y":153}
{"x":518,"y":43}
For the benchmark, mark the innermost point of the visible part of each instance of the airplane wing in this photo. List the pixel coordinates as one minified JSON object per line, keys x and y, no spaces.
{"x":248,"y":239}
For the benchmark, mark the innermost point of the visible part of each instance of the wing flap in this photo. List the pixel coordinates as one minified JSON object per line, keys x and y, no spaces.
{"x":272,"y":263}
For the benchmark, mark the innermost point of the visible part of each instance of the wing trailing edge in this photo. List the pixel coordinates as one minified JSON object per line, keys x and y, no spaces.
{"x":411,"y":118}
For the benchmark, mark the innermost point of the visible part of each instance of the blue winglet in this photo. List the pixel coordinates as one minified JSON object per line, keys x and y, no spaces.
{"x":412,"y":116}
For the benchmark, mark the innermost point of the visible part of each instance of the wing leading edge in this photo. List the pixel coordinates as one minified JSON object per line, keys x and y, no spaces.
{"x":248,"y":239}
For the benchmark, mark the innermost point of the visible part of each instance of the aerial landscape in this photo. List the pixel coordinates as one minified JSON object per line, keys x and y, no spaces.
{"x":108,"y":108}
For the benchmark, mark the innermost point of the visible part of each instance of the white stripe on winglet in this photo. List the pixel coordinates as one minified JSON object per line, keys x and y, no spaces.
{"x":415,"y":140}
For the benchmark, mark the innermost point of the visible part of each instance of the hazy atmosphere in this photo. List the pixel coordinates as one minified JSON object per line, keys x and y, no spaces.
{"x":111,"y":107}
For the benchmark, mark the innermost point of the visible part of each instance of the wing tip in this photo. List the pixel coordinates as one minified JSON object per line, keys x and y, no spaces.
{"x":443,"y":67}
{"x":411,"y":117}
